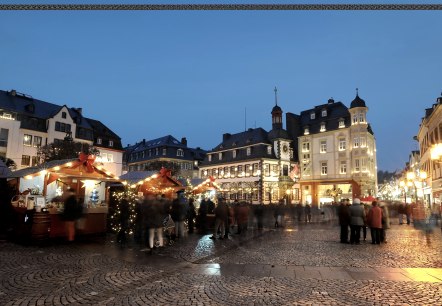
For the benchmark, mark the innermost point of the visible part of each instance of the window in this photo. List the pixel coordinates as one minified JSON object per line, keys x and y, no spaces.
{"x":110,"y":158}
{"x":357,"y":168}
{"x":285,"y":170}
{"x":364,"y":164}
{"x":62,"y":127}
{"x":343,"y":167}
{"x":323,"y":148}
{"x":322,"y":129}
{"x":103,"y":157}
{"x":266,"y":169}
{"x":63,"y":115}
{"x":37,"y":141}
{"x":209,"y":157}
{"x":34,"y":161}
{"x":249,"y":151}
{"x":269,"y":150}
{"x":355,"y":118}
{"x":220,"y":155}
{"x":164,"y":151}
{"x":7,"y":116}
{"x":248,"y":170}
{"x":149,"y":153}
{"x":232,"y":171}
{"x":312,"y":116}
{"x":275,"y":170}
{"x":362,"y":141}
{"x":324,"y":113}
{"x":179,"y":152}
{"x":306,"y":147}
{"x":341,"y":124}
{"x":234,"y":153}
{"x":111,"y":143}
{"x":323,"y":168}
{"x":356,"y":142}
{"x":27,"y":140}
{"x":157,"y":151}
{"x":306,"y":156}
{"x":361,"y":117}
{"x":4,"y":137}
{"x":25,"y":160}
{"x":240,"y":173}
{"x":306,"y":131}
{"x":255,"y":169}
{"x":99,"y":140}
{"x":342,"y":144}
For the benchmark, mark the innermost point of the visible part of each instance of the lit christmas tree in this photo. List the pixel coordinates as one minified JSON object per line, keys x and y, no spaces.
{"x":94,"y":197}
{"x":115,"y":218}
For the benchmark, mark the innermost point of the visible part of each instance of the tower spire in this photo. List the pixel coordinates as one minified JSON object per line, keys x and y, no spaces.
{"x":357,"y":91}
{"x":276,"y":96}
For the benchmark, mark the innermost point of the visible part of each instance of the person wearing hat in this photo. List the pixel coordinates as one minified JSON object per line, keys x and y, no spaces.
{"x":357,"y":220}
{"x":179,"y":213}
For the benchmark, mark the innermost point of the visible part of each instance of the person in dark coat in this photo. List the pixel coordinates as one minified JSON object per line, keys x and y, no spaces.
{"x":191,"y":214}
{"x":242,"y":217}
{"x":308,"y":213}
{"x":210,"y":207}
{"x":179,"y":213}
{"x":124,"y":220}
{"x":202,"y":217}
{"x":357,"y":220}
{"x":220,"y":218}
{"x":259,"y":213}
{"x":344,"y":219}
{"x":71,"y":213}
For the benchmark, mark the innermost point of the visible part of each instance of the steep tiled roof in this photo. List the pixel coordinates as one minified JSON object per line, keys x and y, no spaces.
{"x":102,"y":131}
{"x":247,"y":138}
{"x":335,"y":112}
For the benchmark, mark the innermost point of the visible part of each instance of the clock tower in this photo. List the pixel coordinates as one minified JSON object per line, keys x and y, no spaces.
{"x":278,"y":136}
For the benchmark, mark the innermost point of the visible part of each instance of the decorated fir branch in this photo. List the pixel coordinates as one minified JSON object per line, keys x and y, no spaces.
{"x":115,"y":218}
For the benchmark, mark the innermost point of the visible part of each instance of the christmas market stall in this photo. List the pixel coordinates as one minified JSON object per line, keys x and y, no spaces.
{"x":152,"y":182}
{"x":205,"y":188}
{"x":40,"y":192}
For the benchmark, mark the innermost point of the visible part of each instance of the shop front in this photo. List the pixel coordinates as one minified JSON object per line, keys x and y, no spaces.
{"x":41,"y":192}
{"x":323,"y":193}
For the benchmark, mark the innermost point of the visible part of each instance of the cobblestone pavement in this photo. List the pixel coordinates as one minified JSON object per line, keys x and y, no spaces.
{"x":298,"y":265}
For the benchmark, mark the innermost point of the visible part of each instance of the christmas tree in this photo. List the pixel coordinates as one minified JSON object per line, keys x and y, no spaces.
{"x":94,"y":197}
{"x":115,"y":217}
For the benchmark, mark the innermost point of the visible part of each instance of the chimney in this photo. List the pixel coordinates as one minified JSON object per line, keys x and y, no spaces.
{"x":331,"y":101}
{"x":13,"y":92}
{"x":184,"y":141}
{"x":226,"y":136}
{"x":79,"y":110}
{"x":144,"y":141}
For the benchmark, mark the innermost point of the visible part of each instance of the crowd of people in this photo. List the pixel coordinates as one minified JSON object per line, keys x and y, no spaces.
{"x":223,"y":218}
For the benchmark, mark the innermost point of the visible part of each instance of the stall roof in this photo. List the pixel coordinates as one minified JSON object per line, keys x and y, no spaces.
{"x":32,"y":170}
{"x":136,"y":176}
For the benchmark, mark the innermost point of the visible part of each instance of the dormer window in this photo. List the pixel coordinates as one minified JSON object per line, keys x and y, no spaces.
{"x":306,"y":131}
{"x":269,"y":150}
{"x":209,"y":157}
{"x":234,"y":153}
{"x":63,"y":115}
{"x":312,"y":116}
{"x":179,"y":152}
{"x":341,"y":123}
{"x":111,"y":143}
{"x":324,"y":113}
{"x":220,"y":156}
{"x":249,"y":151}
{"x":322,"y":129}
{"x":99,"y":140}
{"x":164,"y":151}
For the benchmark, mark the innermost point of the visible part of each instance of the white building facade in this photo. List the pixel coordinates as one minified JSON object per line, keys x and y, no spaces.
{"x":27,"y":124}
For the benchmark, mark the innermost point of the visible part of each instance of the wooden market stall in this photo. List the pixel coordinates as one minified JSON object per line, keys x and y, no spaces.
{"x":152,"y":182}
{"x":41,"y":189}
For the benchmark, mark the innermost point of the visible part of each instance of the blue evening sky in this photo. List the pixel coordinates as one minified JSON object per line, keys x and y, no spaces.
{"x":147,"y":74}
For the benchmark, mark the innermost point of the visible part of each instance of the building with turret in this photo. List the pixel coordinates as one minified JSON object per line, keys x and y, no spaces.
{"x":336,"y":151}
{"x":255,"y":165}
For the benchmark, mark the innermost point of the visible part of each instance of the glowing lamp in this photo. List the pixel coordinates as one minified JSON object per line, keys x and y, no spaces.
{"x":28,"y":177}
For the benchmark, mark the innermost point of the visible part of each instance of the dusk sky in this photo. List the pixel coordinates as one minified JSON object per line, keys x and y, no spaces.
{"x":147,"y":74}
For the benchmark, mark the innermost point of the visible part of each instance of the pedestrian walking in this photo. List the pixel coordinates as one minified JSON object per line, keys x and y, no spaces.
{"x":344,"y":219}
{"x":191,"y":214}
{"x":242,"y":217}
{"x":72,"y":211}
{"x":401,"y":212}
{"x":357,"y":217}
{"x":385,"y":222}
{"x":202,"y":217}
{"x":308,"y":213}
{"x":259,"y":213}
{"x":220,"y":218}
{"x":374,"y":221}
{"x":179,"y":212}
